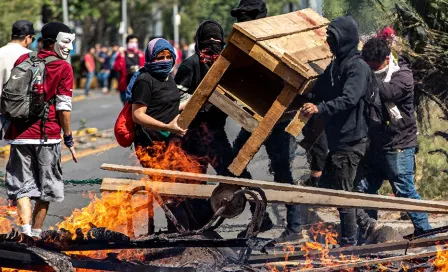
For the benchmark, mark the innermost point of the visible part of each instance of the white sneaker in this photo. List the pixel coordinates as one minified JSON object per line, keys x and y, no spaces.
{"x":36,"y":233}
{"x":26,"y":229}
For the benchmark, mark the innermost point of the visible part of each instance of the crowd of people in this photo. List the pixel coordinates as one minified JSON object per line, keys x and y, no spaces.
{"x":355,"y":153}
{"x":107,"y":63}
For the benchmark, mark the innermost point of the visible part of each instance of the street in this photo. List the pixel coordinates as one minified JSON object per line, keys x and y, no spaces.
{"x":100,"y":111}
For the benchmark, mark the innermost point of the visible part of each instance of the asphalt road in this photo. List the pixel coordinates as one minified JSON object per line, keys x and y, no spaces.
{"x":100,"y":111}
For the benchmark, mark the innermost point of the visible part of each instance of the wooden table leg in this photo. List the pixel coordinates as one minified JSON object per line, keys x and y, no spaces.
{"x":207,"y":85}
{"x":260,"y":134}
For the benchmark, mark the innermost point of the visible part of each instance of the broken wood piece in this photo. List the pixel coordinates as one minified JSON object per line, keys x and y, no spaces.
{"x":261,"y":133}
{"x":243,"y":118}
{"x":351,"y":251}
{"x":364,"y":263}
{"x":207,"y":86}
{"x":312,"y":196}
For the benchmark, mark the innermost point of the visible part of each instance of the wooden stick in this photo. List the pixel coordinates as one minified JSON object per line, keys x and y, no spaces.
{"x":372,"y":262}
{"x":309,"y":195}
{"x":354,"y":250}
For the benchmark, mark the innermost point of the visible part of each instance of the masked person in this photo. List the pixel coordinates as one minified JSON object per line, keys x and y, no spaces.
{"x":392,"y":147}
{"x":280,"y":145}
{"x":127,"y":63}
{"x":206,"y":139}
{"x":339,"y":94}
{"x":34,"y":169}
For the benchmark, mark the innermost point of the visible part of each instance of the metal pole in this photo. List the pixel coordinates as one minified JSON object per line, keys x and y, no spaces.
{"x":176,"y":23}
{"x":65,"y":18}
{"x":124,"y":17}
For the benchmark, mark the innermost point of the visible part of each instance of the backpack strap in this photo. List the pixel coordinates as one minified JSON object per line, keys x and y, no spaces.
{"x":50,"y":59}
{"x":45,"y":117}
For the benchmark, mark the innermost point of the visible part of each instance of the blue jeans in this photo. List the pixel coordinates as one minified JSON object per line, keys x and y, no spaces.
{"x":89,"y":78}
{"x":102,"y":78}
{"x":280,"y":147}
{"x":398,"y":168}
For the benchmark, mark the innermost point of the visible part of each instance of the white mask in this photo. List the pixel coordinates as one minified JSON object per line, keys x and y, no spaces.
{"x":64,"y":44}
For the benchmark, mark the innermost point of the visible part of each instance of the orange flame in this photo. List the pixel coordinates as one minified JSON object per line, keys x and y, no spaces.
{"x":441,"y":260}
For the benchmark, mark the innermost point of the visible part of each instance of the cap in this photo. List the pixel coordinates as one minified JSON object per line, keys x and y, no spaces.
{"x":22,"y":28}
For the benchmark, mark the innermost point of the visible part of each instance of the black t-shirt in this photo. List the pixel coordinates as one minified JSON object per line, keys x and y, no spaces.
{"x":161,"y":98}
{"x":132,"y":65}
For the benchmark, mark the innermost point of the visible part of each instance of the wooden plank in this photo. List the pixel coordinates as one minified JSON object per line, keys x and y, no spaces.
{"x":267,"y":59}
{"x":313,"y":54}
{"x":207,"y":85}
{"x":273,"y":196}
{"x":229,"y":107}
{"x":299,"y":121}
{"x":261,"y":133}
{"x":281,"y":25}
{"x":351,"y":251}
{"x":324,"y":196}
{"x":243,"y":104}
{"x":365,"y":263}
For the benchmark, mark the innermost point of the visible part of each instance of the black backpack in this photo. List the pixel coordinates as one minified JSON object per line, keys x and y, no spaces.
{"x":373,"y":110}
{"x":20,"y":100}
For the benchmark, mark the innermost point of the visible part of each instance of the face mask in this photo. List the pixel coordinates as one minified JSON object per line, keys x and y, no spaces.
{"x":160,"y":69}
{"x":211,"y":47}
{"x":64,"y":44}
{"x":133,"y":47}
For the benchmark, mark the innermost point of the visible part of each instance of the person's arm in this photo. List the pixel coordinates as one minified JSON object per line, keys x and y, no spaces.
{"x":140,"y":117}
{"x":183,"y":79}
{"x":64,"y":107}
{"x":354,"y":89}
{"x":400,"y":85}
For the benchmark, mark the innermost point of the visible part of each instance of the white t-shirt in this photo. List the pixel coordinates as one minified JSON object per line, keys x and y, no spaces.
{"x":8,"y":56}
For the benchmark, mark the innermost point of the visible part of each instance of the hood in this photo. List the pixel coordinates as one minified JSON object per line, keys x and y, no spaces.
{"x":199,"y":33}
{"x":255,"y":9}
{"x":346,"y":32}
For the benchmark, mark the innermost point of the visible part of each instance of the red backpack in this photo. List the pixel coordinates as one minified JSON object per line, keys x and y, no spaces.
{"x":125,"y":127}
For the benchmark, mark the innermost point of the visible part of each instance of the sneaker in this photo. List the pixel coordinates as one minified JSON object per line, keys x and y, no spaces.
{"x":372,"y":232}
{"x":289,"y":236}
{"x":265,"y":226}
{"x":36,"y":233}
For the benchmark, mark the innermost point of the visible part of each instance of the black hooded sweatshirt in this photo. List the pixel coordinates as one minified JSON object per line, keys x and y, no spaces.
{"x":248,"y":10}
{"x":190,"y":74}
{"x":340,"y":90}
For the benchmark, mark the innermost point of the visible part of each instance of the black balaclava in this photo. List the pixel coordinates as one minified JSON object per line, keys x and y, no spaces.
{"x":249,"y":10}
{"x":343,"y":36}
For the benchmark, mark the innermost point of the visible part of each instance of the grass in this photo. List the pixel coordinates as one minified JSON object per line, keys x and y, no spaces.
{"x":431,"y":181}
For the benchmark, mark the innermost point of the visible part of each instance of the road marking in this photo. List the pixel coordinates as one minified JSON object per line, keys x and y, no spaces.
{"x":78,"y":98}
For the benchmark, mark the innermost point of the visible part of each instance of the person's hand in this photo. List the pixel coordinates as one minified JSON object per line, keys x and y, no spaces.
{"x":309,"y":109}
{"x":173,"y":127}
{"x":72,"y":150}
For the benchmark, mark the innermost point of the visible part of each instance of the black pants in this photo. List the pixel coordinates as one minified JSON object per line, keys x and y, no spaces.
{"x":339,"y":174}
{"x":207,"y":143}
{"x":280,"y":147}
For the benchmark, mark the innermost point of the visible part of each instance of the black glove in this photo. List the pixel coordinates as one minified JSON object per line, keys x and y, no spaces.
{"x":68,"y":141}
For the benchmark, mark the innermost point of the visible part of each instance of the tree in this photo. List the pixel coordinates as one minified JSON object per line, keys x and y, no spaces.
{"x":11,"y":11}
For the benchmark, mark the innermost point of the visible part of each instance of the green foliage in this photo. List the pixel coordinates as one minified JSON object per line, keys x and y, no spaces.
{"x":11,"y":11}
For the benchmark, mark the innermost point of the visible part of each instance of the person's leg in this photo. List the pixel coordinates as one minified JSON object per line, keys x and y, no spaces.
{"x":402,"y":180}
{"x":340,"y":173}
{"x":50,"y":181}
{"x":39,"y":214}
{"x":89,"y":78}
{"x":22,"y":182}
{"x":281,"y":147}
{"x":317,"y":158}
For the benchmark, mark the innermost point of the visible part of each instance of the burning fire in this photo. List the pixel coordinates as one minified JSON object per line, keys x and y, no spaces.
{"x":441,"y":260}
